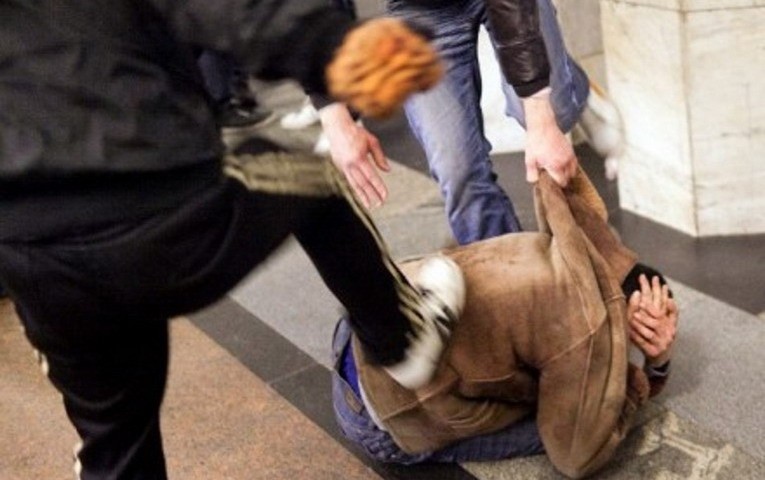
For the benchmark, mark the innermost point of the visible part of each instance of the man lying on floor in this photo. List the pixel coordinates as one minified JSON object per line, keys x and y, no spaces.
{"x":539,"y":360}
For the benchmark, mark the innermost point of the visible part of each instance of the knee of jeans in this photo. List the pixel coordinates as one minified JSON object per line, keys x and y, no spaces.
{"x":462,"y":186}
{"x":361,"y":431}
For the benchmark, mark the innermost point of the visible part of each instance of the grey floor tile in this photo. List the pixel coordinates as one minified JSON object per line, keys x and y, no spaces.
{"x":666,"y":448}
{"x":718,"y":378}
{"x":261,"y":349}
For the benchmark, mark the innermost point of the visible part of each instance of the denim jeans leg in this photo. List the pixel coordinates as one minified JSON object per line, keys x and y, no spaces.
{"x":352,"y":417}
{"x":569,"y":83}
{"x":448,"y":123}
{"x":520,"y":439}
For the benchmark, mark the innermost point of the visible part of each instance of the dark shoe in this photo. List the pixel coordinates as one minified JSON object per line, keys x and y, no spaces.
{"x":236,"y":115}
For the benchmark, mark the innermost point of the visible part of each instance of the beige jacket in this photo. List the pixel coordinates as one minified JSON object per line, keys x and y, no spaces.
{"x":544,"y":329}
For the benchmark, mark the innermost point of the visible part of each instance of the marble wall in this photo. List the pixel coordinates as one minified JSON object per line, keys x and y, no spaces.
{"x":580,"y":21}
{"x":687,"y":77}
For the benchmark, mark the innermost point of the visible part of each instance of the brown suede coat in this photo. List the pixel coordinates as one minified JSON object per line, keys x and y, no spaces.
{"x":544,"y":329}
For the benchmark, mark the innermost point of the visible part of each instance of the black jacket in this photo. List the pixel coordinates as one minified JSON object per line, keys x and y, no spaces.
{"x":520,"y":46}
{"x":103,"y":97}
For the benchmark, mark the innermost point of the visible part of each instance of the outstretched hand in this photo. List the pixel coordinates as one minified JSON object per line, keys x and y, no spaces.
{"x":652,"y":319}
{"x":357,"y":153}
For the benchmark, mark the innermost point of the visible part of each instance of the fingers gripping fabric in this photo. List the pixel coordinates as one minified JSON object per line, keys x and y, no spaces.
{"x":380,"y":64}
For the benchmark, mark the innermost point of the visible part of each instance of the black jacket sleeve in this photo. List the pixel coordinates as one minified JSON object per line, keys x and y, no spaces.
{"x":520,"y":47}
{"x":273,"y":39}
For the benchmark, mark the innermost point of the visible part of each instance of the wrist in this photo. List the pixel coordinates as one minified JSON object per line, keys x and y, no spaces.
{"x":538,"y":110}
{"x":334,"y":112}
{"x":658,"y":361}
{"x":543,"y":94}
{"x":657,"y":370}
{"x":335,"y":118}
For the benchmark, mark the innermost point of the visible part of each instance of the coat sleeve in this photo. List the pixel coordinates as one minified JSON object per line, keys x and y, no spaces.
{"x":521,"y":51}
{"x":273,"y":39}
{"x":588,"y":392}
{"x":588,"y":396}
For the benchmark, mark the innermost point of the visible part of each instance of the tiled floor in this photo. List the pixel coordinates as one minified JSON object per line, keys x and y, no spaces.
{"x":220,"y":420}
{"x":249,"y":396}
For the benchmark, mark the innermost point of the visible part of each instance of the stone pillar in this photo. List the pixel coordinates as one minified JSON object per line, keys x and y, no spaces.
{"x":687,"y":76}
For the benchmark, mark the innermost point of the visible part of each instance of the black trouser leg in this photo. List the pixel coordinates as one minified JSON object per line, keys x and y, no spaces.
{"x":345,"y":250}
{"x":112,"y":394}
{"x":108,"y":360}
{"x":116,"y":411}
{"x":340,"y":239}
{"x":95,"y":300}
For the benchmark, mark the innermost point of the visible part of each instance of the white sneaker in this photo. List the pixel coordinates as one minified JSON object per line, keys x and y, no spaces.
{"x":602,"y":124}
{"x":442,"y":289}
{"x":303,"y":118}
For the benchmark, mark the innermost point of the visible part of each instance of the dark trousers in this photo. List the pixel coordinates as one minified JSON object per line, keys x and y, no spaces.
{"x":223,"y":78}
{"x":95,"y":302}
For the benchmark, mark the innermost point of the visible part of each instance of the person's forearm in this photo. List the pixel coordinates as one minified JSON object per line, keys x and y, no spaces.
{"x":547,"y":147}
{"x":583,"y":413}
{"x":335,"y":118}
{"x":520,"y":46}
{"x":539,"y":112}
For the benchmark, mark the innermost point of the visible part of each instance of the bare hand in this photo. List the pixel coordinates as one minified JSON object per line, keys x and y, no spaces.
{"x":547,"y":148}
{"x":652,"y":318}
{"x":357,"y":153}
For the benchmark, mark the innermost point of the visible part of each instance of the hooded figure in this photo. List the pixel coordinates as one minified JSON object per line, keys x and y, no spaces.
{"x":544,"y":330}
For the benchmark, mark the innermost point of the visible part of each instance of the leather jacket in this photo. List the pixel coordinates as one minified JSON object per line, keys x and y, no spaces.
{"x":544,"y":329}
{"x":104,"y":96}
{"x":517,"y":32}
{"x":519,"y":44}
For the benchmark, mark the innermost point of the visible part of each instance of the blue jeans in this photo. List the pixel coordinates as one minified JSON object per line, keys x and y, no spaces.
{"x":448,"y":122}
{"x":519,"y":439}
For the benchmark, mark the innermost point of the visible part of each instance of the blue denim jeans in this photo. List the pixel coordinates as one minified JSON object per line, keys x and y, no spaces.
{"x":519,"y":439}
{"x":448,"y":122}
